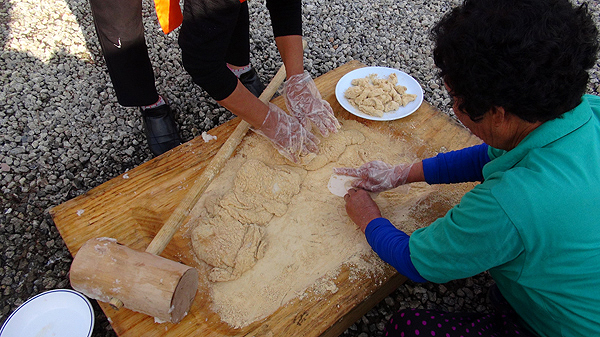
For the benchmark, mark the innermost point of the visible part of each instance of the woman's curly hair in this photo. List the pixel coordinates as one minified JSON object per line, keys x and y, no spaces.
{"x":530,"y":57}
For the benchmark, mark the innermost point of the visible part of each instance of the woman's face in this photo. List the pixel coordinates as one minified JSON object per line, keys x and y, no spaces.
{"x":482,"y":128}
{"x":496,"y":127}
{"x":475,"y":127}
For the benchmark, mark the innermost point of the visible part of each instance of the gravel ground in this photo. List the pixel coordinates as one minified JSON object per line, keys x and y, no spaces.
{"x":62,"y":132}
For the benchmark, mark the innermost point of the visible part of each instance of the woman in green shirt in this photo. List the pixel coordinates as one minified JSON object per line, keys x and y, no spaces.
{"x":517,"y":71}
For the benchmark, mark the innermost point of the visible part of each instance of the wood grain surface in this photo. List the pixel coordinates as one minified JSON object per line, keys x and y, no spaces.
{"x":132,"y":208}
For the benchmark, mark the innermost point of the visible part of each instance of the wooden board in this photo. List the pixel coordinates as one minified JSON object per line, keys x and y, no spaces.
{"x":132,"y":207}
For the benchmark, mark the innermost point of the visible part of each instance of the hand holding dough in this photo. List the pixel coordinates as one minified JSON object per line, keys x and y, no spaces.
{"x":340,"y":184}
{"x":304,"y":101}
{"x":287,"y":134}
{"x":377,"y":176}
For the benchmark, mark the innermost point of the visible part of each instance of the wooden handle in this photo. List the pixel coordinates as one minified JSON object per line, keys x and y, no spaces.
{"x":172,"y":224}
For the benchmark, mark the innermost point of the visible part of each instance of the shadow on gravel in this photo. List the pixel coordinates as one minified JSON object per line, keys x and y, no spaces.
{"x":54,"y":146}
{"x":5,"y":10}
{"x":62,"y":133}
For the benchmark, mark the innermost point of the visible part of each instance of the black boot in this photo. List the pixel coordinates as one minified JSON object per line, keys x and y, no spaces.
{"x":251,"y":81}
{"x":160,"y":129}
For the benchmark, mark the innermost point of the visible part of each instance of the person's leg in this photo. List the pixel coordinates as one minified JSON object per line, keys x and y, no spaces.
{"x":121,"y":34}
{"x":206,"y":35}
{"x":204,"y":38}
{"x":160,"y":128}
{"x":238,"y":50}
{"x":238,"y":53}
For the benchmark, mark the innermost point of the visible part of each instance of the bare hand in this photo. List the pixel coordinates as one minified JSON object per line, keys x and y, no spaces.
{"x":361,"y":208}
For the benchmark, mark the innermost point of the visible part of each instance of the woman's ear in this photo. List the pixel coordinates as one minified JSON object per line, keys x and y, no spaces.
{"x":499,"y":116}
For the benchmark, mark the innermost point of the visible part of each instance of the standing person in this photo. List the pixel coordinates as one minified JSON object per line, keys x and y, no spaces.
{"x":517,"y":71}
{"x":120,"y":31}
{"x":214,"y":40}
{"x":121,"y":34}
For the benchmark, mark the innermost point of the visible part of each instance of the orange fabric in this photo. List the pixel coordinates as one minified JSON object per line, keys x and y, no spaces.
{"x":169,"y":14}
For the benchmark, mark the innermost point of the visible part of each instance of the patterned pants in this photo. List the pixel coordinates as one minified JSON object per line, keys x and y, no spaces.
{"x":415,"y":322}
{"x":420,"y":322}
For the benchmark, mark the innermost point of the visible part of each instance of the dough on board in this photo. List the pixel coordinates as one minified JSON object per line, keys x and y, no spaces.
{"x":331,"y":148}
{"x":270,"y":230}
{"x":230,"y":237}
{"x":228,"y":245}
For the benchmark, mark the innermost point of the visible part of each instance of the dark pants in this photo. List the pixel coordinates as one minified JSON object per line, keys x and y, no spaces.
{"x":121,"y":33}
{"x":214,"y":33}
{"x":504,"y":321}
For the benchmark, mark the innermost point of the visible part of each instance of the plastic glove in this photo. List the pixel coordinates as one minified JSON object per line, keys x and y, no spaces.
{"x":304,"y":101}
{"x":287,"y":135}
{"x":377,"y":176}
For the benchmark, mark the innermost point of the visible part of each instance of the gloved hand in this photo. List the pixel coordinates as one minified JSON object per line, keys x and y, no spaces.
{"x":304,"y":101}
{"x":377,"y":176}
{"x":287,"y":135}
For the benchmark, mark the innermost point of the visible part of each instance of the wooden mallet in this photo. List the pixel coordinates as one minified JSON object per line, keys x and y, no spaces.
{"x":143,"y":281}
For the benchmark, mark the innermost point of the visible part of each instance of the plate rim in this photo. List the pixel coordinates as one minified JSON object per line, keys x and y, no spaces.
{"x":360,"y":114}
{"x":45,"y":293}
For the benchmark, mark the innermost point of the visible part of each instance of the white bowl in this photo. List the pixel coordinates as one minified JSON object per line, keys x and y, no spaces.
{"x":412,"y":87}
{"x":59,"y":312}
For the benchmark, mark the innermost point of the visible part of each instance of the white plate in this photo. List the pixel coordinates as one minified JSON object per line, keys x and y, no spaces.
{"x":59,"y":312}
{"x":412,"y":87}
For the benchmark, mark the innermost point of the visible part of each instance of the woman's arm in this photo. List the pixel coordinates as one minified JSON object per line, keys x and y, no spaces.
{"x":456,"y":166}
{"x":390,"y":243}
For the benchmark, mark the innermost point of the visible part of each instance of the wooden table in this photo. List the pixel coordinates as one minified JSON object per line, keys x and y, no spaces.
{"x":132,"y":208}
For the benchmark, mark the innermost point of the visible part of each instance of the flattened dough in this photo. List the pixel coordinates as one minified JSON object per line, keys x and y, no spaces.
{"x":269,"y":259}
{"x":331,"y":148}
{"x":227,"y":245}
{"x":228,"y":236}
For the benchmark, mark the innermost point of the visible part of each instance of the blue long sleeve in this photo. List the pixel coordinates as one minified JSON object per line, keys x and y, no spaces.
{"x":391,"y":244}
{"x":457,"y":166}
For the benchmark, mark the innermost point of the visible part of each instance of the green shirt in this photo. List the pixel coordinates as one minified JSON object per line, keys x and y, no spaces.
{"x":534,"y":223}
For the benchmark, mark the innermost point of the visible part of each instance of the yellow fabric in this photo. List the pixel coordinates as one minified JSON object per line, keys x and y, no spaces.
{"x":169,"y":14}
